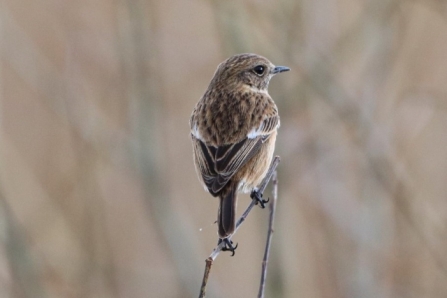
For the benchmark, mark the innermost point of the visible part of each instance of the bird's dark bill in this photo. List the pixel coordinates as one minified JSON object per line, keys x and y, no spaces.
{"x":279,"y":69}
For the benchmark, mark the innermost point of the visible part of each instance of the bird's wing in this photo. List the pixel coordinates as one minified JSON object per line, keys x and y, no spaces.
{"x":218,"y":164}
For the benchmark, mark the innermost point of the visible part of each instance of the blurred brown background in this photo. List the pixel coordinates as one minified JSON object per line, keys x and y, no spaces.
{"x":98,"y":193}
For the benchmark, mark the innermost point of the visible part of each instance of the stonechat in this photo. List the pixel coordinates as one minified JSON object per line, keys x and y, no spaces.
{"x":233,"y":131}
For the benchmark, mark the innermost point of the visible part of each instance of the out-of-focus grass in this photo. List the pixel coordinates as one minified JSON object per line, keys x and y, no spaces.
{"x":98,"y":190}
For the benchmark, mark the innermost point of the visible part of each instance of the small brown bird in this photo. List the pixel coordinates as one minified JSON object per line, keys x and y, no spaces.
{"x":233,"y":131}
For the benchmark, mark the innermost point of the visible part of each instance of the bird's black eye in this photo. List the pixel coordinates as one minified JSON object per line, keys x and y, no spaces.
{"x":259,"y":70}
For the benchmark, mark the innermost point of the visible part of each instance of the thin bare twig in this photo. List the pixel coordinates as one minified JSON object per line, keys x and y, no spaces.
{"x":269,"y":237}
{"x":209,"y":261}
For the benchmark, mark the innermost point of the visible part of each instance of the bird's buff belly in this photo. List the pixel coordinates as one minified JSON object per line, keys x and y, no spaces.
{"x":252,"y":173}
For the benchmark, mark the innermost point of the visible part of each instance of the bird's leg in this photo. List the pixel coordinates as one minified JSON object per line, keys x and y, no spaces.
{"x":257,"y":196}
{"x":228,"y":245}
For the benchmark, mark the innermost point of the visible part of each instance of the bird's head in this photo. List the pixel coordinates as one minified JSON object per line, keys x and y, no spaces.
{"x":246,"y":70}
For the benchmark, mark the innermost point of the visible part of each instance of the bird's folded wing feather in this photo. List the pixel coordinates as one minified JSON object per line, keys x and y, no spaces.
{"x":218,"y":164}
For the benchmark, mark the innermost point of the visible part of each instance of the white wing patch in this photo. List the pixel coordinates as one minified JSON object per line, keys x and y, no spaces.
{"x":195,"y":132}
{"x":255,"y":132}
{"x":259,"y":131}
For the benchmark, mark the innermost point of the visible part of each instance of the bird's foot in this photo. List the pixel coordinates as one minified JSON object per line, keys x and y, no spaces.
{"x":257,"y":196}
{"x":228,"y":245}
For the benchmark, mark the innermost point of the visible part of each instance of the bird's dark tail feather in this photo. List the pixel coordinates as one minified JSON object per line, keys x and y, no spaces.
{"x":226,"y":218}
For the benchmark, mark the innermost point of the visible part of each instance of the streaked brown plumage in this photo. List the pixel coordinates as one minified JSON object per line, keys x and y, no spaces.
{"x":233,"y":131}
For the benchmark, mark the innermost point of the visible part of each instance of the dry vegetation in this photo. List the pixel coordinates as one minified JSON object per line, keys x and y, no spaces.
{"x":98,"y":194}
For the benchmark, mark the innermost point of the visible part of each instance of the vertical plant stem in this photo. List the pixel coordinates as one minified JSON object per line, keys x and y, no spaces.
{"x":269,"y":236}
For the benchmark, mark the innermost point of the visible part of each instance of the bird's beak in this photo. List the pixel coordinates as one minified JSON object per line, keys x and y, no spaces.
{"x":279,"y":69}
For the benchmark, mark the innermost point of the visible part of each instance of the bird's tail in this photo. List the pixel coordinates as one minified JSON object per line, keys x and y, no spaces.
{"x":226,"y":218}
